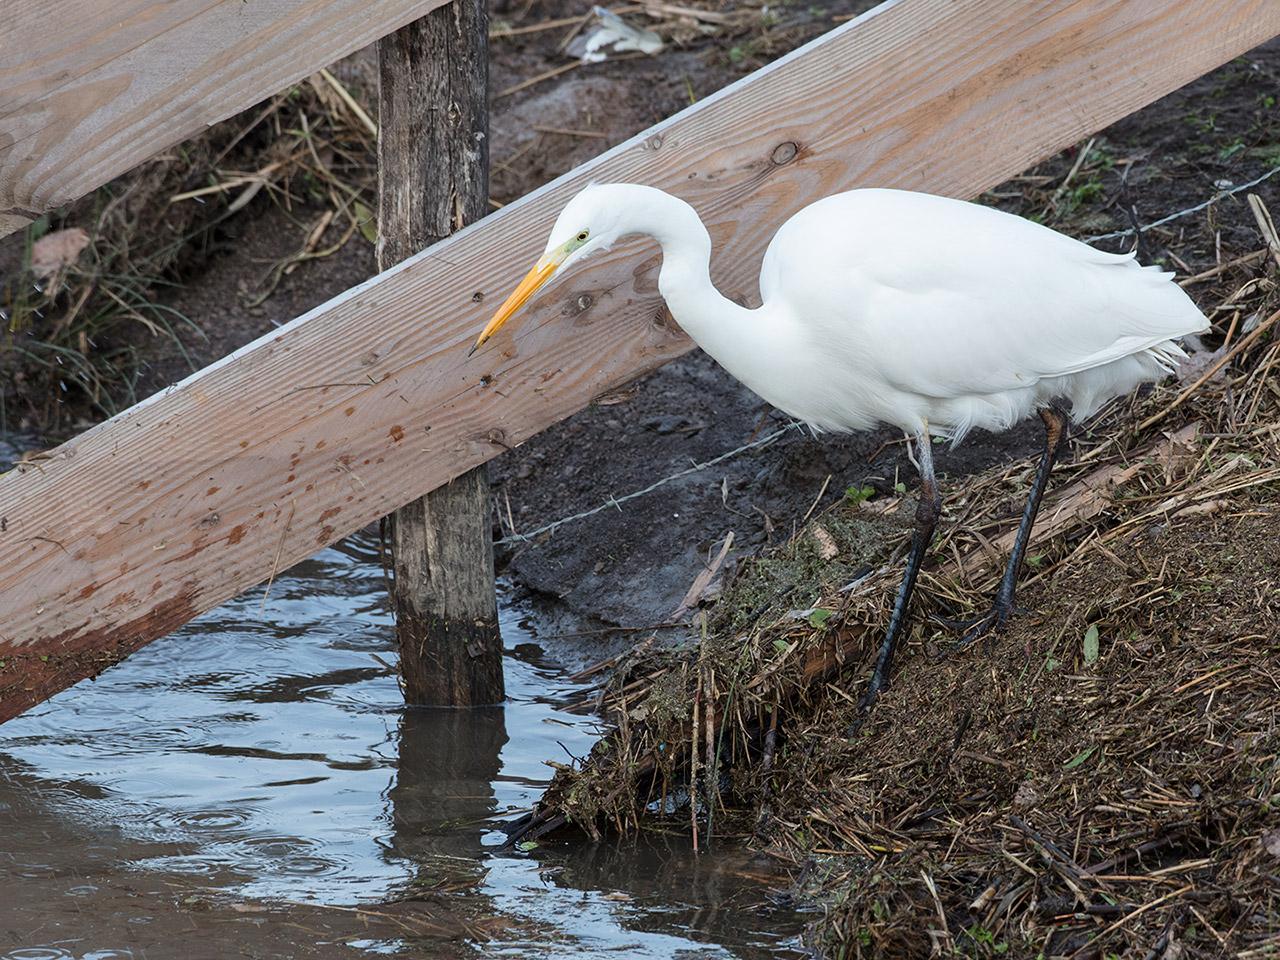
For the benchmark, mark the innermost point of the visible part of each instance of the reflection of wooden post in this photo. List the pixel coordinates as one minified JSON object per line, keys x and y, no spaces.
{"x":433,"y":177}
{"x":449,"y":760}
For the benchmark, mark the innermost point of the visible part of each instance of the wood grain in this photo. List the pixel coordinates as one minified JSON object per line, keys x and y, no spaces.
{"x":369,"y":401}
{"x":433,"y":177}
{"x":89,"y":88}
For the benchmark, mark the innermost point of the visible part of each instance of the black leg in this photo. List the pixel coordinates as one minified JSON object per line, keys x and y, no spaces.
{"x":926,"y":519}
{"x":1055,"y":441}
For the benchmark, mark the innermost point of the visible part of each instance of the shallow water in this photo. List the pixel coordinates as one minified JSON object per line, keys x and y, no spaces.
{"x":253,"y":786}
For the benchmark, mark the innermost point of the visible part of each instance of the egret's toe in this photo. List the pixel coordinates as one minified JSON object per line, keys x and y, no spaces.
{"x":985,"y":626}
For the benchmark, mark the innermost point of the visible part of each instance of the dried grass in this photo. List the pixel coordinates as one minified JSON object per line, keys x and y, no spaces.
{"x":74,"y":344}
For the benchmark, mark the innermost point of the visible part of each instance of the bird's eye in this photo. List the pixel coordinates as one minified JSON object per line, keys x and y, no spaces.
{"x":582,"y":237}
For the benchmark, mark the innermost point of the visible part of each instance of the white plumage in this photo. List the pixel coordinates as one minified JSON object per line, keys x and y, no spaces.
{"x":885,"y":306}
{"x":904,"y":308}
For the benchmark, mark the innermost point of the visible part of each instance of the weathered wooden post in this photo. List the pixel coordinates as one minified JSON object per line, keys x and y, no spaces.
{"x":433,"y":178}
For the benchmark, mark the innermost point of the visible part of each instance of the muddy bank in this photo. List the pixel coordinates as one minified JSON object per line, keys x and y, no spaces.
{"x":638,"y":561}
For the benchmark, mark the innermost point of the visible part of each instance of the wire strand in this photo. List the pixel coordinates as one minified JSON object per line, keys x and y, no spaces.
{"x":1116,"y":235}
{"x":616,"y":502}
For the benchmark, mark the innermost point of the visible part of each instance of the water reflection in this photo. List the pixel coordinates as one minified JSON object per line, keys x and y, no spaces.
{"x":255,"y":781}
{"x":443,"y":799}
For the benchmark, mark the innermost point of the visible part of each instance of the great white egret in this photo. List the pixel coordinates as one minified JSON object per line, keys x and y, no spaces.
{"x":929,"y":314}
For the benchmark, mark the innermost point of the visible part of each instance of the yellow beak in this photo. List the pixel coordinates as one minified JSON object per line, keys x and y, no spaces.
{"x":530,"y":285}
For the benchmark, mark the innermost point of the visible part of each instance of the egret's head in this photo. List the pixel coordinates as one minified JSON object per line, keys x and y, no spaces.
{"x":588,"y":224}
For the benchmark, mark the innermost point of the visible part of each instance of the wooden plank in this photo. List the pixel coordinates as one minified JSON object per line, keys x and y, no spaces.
{"x":433,"y":177}
{"x":89,"y":89}
{"x":368,"y":401}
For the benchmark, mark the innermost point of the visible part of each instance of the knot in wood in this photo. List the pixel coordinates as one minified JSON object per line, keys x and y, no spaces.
{"x":654,"y":142}
{"x":784,"y":153}
{"x":579,"y":305}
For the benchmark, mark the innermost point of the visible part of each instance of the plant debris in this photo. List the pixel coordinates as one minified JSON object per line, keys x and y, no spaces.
{"x":57,"y":251}
{"x":81,"y":297}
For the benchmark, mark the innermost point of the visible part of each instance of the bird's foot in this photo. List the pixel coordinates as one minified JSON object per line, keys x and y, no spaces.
{"x":869,"y":698}
{"x":864,"y":710}
{"x":877,"y":683}
{"x":983,"y":626}
{"x":956,"y":624}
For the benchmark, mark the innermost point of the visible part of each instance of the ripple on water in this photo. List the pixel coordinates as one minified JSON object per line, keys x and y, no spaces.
{"x":208,"y":821}
{"x":57,"y":953}
{"x":212,"y":861}
{"x":286,"y":856}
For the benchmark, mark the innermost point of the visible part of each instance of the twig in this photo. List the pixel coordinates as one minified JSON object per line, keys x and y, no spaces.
{"x":1171,"y":835}
{"x":225,"y":185}
{"x":1266,"y":226}
{"x":1071,"y":175}
{"x":271,"y":108}
{"x":275,"y":564}
{"x":350,"y":101}
{"x":937,"y":903}
{"x":709,"y":788}
{"x":816,"y":500}
{"x":701,"y":581}
{"x":1222,"y":268}
{"x":546,"y":75}
{"x":1130,"y":916}
{"x":659,"y":9}
{"x":533,"y":27}
{"x":507,"y":163}
{"x":576,"y":29}
{"x":566,"y":132}
{"x":693,"y":762}
{"x":1035,"y":836}
{"x":1213,"y":368}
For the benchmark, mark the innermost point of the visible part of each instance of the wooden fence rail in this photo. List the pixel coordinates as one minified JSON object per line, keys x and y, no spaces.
{"x":307,"y":434}
{"x":89,"y":88}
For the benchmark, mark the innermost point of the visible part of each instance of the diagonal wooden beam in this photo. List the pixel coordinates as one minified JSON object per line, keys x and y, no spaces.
{"x":89,"y":88}
{"x":307,"y":434}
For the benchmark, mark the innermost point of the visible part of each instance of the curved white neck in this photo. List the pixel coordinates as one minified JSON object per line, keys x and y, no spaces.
{"x":718,"y":325}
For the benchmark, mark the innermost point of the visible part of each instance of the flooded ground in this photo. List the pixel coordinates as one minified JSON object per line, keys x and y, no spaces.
{"x":253,"y":787}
